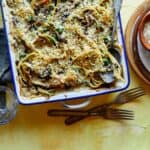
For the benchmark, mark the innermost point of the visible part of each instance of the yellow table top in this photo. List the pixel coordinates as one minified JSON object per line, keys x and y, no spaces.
{"x":33,"y":129}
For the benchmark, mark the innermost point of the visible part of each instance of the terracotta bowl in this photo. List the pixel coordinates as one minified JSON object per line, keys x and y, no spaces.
{"x":144,"y":20}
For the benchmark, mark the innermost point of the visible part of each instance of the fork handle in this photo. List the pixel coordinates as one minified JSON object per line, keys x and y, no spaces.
{"x":55,"y":112}
{"x":72,"y":119}
{"x":66,"y":113}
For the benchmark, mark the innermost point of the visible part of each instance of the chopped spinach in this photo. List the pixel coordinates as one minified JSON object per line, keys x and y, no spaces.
{"x":106,"y":61}
{"x":30,"y":19}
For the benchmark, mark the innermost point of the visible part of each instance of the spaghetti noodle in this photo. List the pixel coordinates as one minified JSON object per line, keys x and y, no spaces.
{"x":62,"y":44}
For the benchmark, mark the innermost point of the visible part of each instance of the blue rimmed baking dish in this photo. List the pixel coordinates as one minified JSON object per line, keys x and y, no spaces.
{"x":79,"y":93}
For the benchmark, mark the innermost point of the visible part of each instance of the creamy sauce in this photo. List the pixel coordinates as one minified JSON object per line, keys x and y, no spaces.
{"x":61,"y":45}
{"x":147,"y":31}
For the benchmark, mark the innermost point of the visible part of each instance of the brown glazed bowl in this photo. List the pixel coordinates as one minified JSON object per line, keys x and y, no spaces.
{"x":144,"y":20}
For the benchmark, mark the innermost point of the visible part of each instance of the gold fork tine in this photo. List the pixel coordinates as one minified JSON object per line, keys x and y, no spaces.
{"x":133,"y":91}
{"x":121,"y":118}
{"x":122,"y":113}
{"x":132,"y":94}
{"x":118,"y":114}
{"x":125,"y":115}
{"x":135,"y":95}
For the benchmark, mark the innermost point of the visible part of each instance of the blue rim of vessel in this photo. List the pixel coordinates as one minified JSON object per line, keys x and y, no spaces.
{"x":69,"y":98}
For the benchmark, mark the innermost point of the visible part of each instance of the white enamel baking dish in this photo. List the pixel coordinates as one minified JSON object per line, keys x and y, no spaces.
{"x":66,"y":95}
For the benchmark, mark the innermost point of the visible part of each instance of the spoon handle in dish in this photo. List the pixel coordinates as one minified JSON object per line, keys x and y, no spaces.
{"x":116,"y":6}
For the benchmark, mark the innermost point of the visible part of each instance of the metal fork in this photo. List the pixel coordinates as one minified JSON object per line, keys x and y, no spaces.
{"x":129,"y":95}
{"x":122,"y":98}
{"x":119,"y":114}
{"x":107,"y":113}
{"x":111,"y":113}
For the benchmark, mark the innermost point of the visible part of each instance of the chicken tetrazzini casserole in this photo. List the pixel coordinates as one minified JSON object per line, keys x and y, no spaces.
{"x":62,"y":44}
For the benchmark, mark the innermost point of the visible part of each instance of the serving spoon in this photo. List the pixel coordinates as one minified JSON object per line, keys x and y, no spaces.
{"x":108,"y":77}
{"x":116,"y":6}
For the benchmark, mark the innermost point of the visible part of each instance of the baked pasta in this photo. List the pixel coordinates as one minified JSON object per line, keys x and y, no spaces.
{"x":62,"y":44}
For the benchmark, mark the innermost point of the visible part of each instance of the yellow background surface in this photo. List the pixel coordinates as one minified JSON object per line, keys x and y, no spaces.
{"x":32,"y":129}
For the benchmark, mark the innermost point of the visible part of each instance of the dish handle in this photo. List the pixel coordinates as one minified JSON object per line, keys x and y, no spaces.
{"x":83,"y":104}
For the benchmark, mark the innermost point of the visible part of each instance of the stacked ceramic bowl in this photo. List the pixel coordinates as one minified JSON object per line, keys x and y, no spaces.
{"x":138,"y":41}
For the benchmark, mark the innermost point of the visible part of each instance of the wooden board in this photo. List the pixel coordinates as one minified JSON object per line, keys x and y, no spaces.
{"x":129,"y":34}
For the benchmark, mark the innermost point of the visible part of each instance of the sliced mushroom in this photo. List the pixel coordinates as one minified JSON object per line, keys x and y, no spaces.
{"x":107,"y":77}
